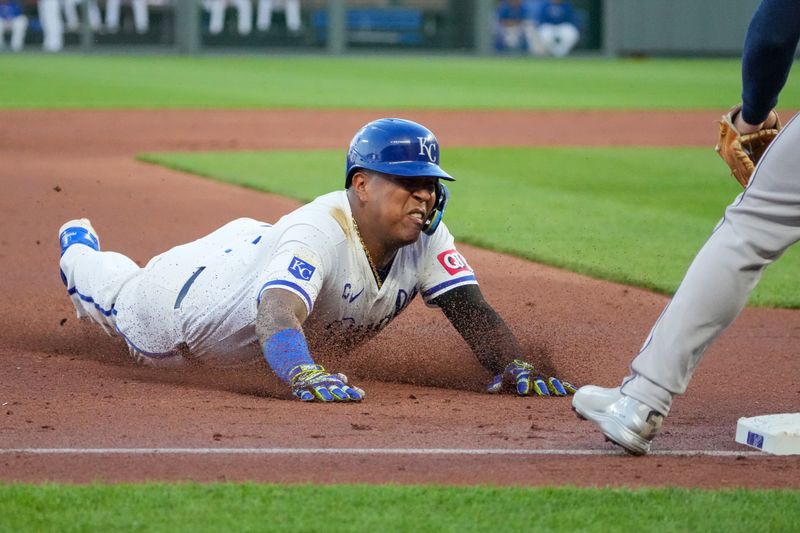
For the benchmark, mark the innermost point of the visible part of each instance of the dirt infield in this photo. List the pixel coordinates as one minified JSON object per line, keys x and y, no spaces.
{"x":67,"y":386}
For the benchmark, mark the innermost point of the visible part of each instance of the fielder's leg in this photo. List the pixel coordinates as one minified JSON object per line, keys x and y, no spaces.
{"x":757,"y":228}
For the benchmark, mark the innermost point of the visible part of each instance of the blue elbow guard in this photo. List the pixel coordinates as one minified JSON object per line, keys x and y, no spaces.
{"x":285,"y":350}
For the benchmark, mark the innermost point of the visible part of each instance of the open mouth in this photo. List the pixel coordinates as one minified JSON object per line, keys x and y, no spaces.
{"x":417,"y":216}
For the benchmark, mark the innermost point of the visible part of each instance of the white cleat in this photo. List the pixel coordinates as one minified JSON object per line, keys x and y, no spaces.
{"x":622,"y":419}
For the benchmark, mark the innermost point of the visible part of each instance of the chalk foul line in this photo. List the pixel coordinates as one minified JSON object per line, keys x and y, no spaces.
{"x":368,"y":451}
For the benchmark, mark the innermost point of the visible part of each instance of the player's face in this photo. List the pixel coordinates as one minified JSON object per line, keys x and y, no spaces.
{"x":404,"y":205}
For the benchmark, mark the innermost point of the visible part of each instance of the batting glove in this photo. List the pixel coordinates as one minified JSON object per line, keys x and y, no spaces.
{"x":312,"y":382}
{"x":524,"y":378}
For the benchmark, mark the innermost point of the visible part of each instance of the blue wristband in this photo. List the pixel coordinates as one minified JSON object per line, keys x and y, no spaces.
{"x":285,"y":350}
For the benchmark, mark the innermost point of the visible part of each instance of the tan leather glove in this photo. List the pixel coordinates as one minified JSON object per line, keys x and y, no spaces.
{"x":741,"y":152}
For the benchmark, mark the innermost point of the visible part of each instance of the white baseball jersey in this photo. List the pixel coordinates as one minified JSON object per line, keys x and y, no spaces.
{"x":204,"y":295}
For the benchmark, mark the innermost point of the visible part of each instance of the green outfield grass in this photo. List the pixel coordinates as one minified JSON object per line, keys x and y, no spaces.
{"x":38,"y":81}
{"x":633,"y":215}
{"x":250,"y":507}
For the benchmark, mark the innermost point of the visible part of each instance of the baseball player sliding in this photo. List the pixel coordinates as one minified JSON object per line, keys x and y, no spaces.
{"x":331,"y":274}
{"x":757,"y":228}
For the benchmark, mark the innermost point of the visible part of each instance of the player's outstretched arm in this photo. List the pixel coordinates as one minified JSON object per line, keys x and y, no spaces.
{"x":494,"y":345}
{"x":279,"y":323}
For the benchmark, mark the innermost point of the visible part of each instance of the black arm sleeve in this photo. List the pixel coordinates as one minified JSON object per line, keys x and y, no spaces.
{"x":769,"y":49}
{"x":481,"y":327}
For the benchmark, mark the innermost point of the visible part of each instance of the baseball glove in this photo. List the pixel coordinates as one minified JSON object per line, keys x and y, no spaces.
{"x":741,"y":151}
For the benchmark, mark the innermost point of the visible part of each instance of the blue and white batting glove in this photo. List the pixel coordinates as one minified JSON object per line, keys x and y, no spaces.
{"x":312,"y":382}
{"x":524,"y":378}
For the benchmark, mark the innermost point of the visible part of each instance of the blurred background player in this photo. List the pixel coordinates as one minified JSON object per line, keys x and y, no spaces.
{"x":13,"y":21}
{"x":141,"y":16}
{"x":52,"y":25}
{"x":216,"y":13}
{"x":291,"y":9}
{"x":756,"y":230}
{"x":557,"y":27}
{"x":72,"y":18}
{"x":516,"y":29}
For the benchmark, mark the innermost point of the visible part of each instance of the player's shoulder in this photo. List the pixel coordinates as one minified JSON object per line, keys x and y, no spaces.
{"x":327,"y":215}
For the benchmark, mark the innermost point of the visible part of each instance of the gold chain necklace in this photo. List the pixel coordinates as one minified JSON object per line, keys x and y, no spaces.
{"x":369,"y":257}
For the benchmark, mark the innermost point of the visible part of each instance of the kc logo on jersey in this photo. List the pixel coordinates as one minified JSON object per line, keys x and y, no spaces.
{"x":453,"y":262}
{"x":428,"y":149}
{"x":301,"y":269}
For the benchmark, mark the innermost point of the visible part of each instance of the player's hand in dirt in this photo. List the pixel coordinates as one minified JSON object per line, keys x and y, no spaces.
{"x":524,"y":379}
{"x":313,"y":382}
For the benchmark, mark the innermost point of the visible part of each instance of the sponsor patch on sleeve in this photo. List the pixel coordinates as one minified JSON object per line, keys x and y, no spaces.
{"x":301,"y":269}
{"x":453,"y":262}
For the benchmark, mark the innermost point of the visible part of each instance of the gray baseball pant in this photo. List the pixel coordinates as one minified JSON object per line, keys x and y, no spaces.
{"x":757,"y":228}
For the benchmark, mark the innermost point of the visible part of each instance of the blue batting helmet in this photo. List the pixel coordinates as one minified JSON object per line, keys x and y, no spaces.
{"x":395,"y":146}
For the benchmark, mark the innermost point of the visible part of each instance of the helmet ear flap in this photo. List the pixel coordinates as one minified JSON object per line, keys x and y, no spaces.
{"x":435,"y":216}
